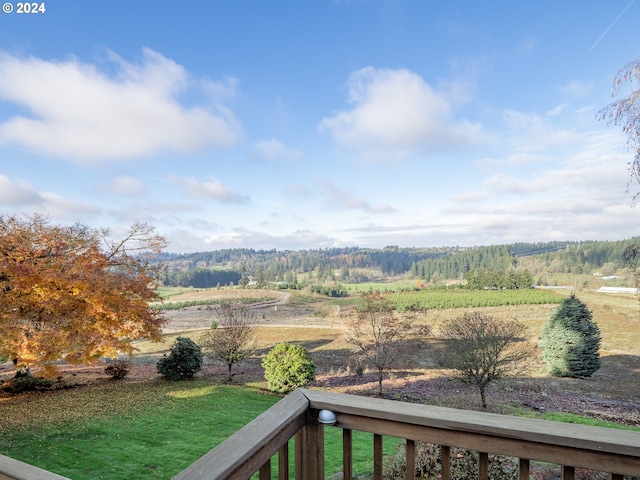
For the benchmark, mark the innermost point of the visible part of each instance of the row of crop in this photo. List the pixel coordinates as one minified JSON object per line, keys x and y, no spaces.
{"x":443,"y":299}
{"x":208,"y":302}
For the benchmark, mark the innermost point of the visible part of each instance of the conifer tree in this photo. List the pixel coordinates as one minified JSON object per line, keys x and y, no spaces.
{"x":570,"y":340}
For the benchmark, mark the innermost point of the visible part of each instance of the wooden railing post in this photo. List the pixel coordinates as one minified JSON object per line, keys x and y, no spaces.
{"x":310,"y":451}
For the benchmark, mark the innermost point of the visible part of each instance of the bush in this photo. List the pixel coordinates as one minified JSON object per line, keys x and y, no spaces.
{"x":570,"y":341}
{"x":464,"y":464}
{"x":287,"y":367}
{"x":184,"y":360}
{"x":337,"y":291}
{"x":118,"y":370}
{"x":27,"y":384}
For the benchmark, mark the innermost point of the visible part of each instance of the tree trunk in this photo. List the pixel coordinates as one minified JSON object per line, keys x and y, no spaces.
{"x":21,"y":371}
{"x":484,"y":400}
{"x":379,"y":381}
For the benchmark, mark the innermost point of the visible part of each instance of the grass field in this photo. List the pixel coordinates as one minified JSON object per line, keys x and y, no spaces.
{"x":380,"y":286}
{"x":150,"y":430}
{"x":442,"y":299}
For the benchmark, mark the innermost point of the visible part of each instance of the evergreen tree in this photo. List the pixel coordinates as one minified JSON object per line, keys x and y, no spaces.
{"x":570,"y":340}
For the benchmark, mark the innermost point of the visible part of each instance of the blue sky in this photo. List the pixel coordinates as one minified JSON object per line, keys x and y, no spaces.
{"x":319,"y":123}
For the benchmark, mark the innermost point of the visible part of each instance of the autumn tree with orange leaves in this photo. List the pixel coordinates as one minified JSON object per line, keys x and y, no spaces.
{"x":72,"y":293}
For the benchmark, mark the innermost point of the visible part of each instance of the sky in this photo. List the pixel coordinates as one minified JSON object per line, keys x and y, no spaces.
{"x":319,"y":123}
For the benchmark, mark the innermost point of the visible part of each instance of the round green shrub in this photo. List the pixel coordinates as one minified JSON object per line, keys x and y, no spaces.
{"x":184,"y":360}
{"x":287,"y":367}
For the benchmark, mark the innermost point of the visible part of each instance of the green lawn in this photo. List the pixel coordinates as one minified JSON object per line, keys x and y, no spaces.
{"x":150,"y":430}
{"x":166,"y":428}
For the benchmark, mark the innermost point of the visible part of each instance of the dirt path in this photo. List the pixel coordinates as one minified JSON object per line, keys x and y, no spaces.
{"x":272,"y":313}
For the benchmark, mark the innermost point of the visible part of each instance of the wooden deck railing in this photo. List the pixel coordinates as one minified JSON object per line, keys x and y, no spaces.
{"x":251,"y":449}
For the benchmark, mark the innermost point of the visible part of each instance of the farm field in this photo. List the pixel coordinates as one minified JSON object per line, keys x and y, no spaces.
{"x":460,"y":298}
{"x":617,"y":315}
{"x":379,"y":286}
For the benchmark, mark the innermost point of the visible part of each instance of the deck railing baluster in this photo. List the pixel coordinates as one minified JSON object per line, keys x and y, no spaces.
{"x":445,"y":461}
{"x":568,"y":473}
{"x":483,"y":466}
{"x":411,"y":459}
{"x":265,"y":471}
{"x":283,"y":462}
{"x":347,"y":454}
{"x":297,"y":446}
{"x":523,"y":469}
{"x":377,"y":457}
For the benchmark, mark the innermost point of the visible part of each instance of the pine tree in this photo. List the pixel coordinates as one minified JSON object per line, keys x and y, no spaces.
{"x":570,"y":340}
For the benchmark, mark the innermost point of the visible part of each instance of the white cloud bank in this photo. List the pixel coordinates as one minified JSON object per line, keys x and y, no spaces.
{"x":21,"y":195}
{"x":273,"y":150}
{"x":346,"y":200}
{"x":398,"y":110}
{"x":79,"y":113}
{"x":127,"y":186}
{"x":214,"y":189}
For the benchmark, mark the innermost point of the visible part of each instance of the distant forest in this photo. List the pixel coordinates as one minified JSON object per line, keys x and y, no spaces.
{"x":354,"y":264}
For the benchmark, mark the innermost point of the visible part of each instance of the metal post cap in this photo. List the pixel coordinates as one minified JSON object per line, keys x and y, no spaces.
{"x":327,"y":417}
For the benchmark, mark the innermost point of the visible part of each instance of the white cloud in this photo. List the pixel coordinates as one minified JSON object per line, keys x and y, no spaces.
{"x":211,"y":190}
{"x":395,"y":109}
{"x":296,"y":191}
{"x":578,"y":88}
{"x":244,"y":238}
{"x":346,"y":200}
{"x":64,"y":208}
{"x":27,"y":199}
{"x":273,"y":149}
{"x":127,"y":186}
{"x":557,"y":110}
{"x":17,"y":194}
{"x":80,"y":113}
{"x":530,"y":132}
{"x":470,"y":196}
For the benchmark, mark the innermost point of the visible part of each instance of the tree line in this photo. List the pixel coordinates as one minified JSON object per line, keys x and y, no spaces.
{"x":510,"y":279}
{"x":200,"y":278}
{"x":353,"y":264}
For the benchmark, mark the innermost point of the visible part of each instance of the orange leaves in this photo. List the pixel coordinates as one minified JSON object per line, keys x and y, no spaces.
{"x":69,"y":293}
